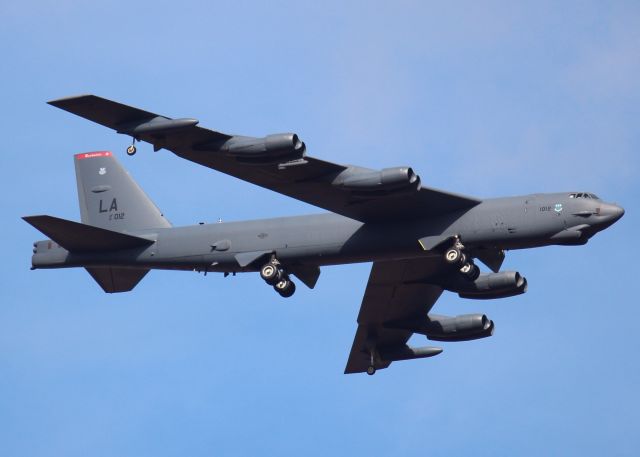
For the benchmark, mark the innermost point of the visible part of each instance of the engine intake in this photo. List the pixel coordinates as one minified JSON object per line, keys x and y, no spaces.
{"x":387,"y":180}
{"x":488,"y":286}
{"x":459,"y":328}
{"x":278,"y":148}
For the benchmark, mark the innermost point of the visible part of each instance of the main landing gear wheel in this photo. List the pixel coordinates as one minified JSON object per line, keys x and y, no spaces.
{"x":131,"y":150}
{"x":470,"y":271}
{"x":285,"y":287}
{"x":453,"y":256}
{"x":371,"y":370}
{"x":271,"y":273}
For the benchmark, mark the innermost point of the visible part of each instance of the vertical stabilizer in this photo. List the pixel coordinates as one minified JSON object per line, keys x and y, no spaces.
{"x":110,"y":198}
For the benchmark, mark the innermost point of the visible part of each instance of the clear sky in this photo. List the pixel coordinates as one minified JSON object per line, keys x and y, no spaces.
{"x":481,"y":98}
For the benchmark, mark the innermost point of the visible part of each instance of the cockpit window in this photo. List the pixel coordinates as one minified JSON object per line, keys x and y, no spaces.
{"x":583,"y":195}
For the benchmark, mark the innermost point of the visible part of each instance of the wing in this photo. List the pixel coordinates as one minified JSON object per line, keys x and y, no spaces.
{"x":396,"y":292}
{"x":359,"y":193}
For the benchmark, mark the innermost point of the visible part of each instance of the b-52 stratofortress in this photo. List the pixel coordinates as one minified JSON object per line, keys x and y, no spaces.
{"x":421,"y":240}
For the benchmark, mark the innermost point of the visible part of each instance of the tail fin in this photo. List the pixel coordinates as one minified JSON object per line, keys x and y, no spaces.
{"x":113,"y":280}
{"x":109,"y":198}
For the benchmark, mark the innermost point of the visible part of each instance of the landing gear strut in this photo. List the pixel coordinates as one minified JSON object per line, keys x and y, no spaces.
{"x":371,"y":369}
{"x":273,"y":274}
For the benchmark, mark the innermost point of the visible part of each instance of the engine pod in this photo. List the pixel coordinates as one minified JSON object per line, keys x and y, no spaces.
{"x":385,"y":181}
{"x":489,"y":285}
{"x":459,"y":328}
{"x":278,"y":148}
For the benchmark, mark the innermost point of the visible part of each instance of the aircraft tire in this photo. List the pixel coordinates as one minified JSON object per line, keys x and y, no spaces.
{"x":452,"y":256}
{"x":371,"y":370}
{"x":271,"y":274}
{"x":470,"y":271}
{"x":476,"y":272}
{"x":131,"y":150}
{"x":285,"y":287}
{"x":463,"y":259}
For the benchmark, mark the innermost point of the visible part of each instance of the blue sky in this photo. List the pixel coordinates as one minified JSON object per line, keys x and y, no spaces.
{"x":482,"y":98}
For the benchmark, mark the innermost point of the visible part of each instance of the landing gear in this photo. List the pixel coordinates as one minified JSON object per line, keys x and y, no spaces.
{"x":285,"y":287}
{"x":455,"y":257}
{"x":131,"y":150}
{"x":273,"y":274}
{"x":371,"y":369}
{"x":470,"y":271}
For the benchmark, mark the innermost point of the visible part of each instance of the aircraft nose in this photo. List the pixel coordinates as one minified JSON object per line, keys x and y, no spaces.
{"x":611,"y":212}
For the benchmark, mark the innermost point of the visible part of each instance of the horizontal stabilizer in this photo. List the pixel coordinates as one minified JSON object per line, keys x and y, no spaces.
{"x":77,"y":237}
{"x":117,"y":279}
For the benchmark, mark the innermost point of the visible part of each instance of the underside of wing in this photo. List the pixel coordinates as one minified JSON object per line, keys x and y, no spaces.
{"x":140,"y":124}
{"x":279,"y":163}
{"x":396,"y":295}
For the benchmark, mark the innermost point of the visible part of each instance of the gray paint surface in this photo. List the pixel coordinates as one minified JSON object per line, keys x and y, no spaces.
{"x":386,"y":217}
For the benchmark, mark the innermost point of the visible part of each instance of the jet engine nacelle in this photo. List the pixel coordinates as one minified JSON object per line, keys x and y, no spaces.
{"x":278,"y":148}
{"x":388,"y":180}
{"x":490,"y":285}
{"x":459,"y":328}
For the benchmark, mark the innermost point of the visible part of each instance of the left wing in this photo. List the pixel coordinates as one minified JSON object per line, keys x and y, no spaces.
{"x":278,"y":162}
{"x":396,"y":294}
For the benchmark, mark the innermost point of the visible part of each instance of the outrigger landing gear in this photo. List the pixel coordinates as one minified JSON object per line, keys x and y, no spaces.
{"x":371,"y":369}
{"x":131,"y":150}
{"x":273,"y":274}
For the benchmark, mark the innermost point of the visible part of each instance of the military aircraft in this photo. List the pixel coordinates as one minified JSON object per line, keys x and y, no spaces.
{"x":421,"y":240}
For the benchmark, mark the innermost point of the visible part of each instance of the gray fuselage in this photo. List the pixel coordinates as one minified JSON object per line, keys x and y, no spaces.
{"x":326,"y":239}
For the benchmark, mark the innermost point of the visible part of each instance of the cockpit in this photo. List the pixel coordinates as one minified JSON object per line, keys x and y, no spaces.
{"x":583,"y":195}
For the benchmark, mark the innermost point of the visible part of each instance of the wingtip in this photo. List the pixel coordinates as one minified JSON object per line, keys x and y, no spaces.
{"x":64,"y":100}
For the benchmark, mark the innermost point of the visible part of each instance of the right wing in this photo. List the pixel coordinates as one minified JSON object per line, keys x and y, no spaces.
{"x":396,"y":293}
{"x":351,"y":191}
